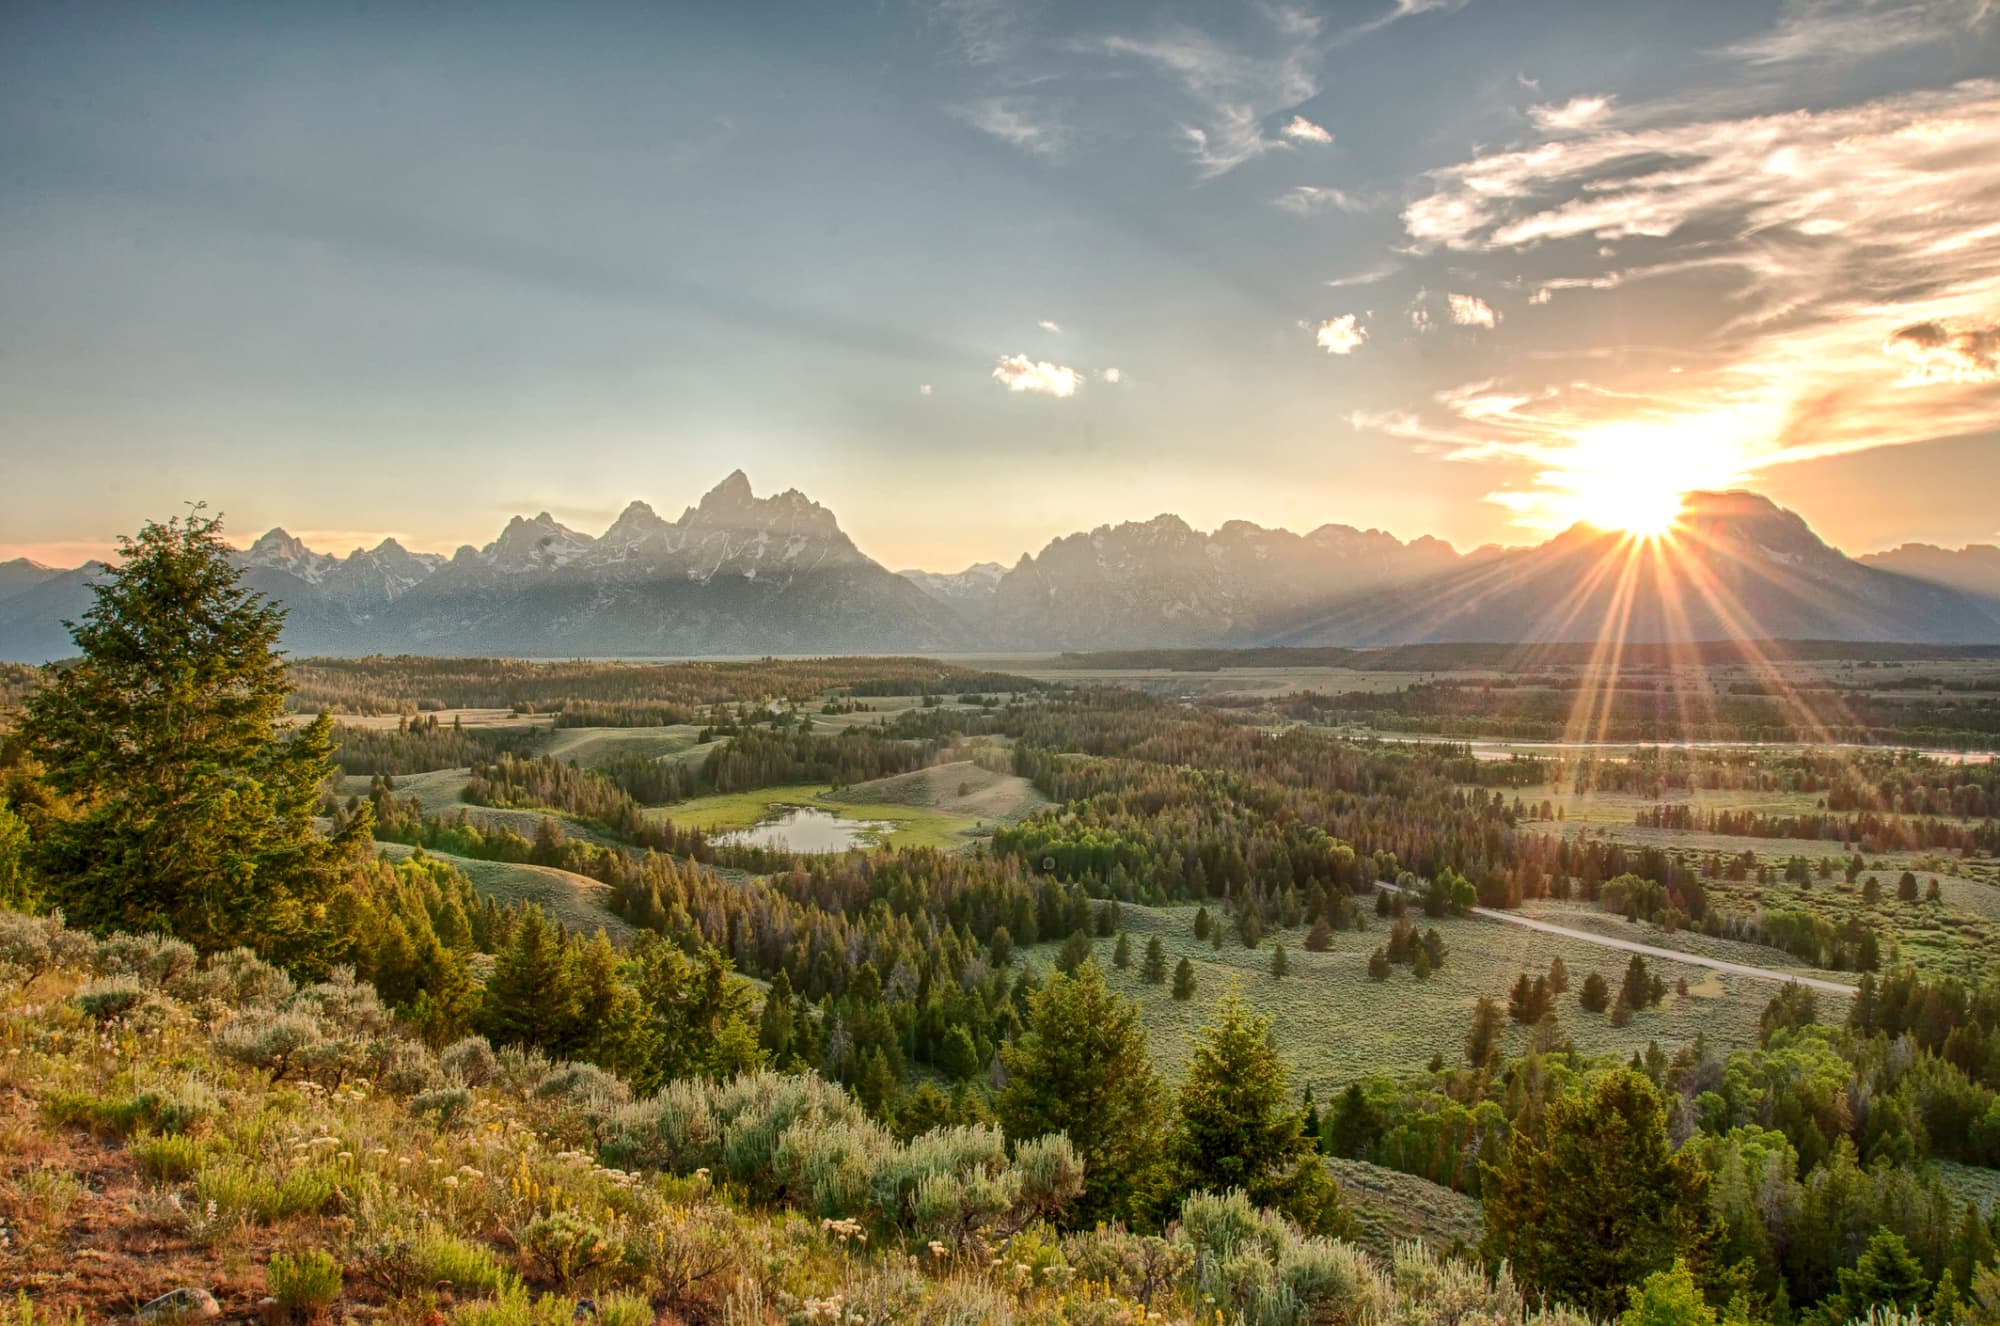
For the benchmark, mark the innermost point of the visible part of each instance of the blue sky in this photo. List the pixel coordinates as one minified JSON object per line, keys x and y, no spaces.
{"x":978,"y":273}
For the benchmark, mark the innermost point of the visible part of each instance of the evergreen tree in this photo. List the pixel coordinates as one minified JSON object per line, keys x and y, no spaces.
{"x":1201,"y":923}
{"x":1121,"y":956}
{"x":1281,"y":966}
{"x":182,"y":806}
{"x":777,"y":1025}
{"x":1082,"y":1068}
{"x":1075,"y":951}
{"x":1668,"y":1298}
{"x":1637,"y":991}
{"x":1154,"y":970}
{"x":1600,"y":1199}
{"x":1321,"y":937}
{"x":1488,"y":1027}
{"x":1238,"y":1128}
{"x":1886,"y":1275}
{"x":1596,"y":995}
{"x":532,"y":996}
{"x":1184,"y":980}
{"x":1378,"y":965}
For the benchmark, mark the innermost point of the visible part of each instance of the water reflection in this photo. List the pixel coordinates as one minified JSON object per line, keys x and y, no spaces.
{"x":808,"y":829}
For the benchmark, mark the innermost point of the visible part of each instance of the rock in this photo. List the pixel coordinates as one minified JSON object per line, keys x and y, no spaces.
{"x":184,"y":1304}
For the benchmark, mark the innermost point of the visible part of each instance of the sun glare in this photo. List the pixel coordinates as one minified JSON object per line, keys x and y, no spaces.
{"x":1635,"y":477}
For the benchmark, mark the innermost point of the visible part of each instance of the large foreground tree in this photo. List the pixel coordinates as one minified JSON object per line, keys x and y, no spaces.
{"x":185,"y":807}
{"x":1081,"y":1068}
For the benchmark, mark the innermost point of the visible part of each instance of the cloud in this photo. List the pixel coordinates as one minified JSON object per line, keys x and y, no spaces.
{"x":1938,"y":352}
{"x":1340,"y":336}
{"x":923,"y":389}
{"x":1401,"y":10}
{"x":1831,"y":277}
{"x":1302,"y":130}
{"x":1113,"y":376}
{"x":1846,"y":31}
{"x":1017,"y":122}
{"x":1366,"y":276}
{"x":1572,"y":114}
{"x":1472,"y":311}
{"x":1020,"y":373}
{"x":1313,"y":199}
{"x":983,"y":32}
{"x":1048,"y":326}
{"x":1232,"y":89}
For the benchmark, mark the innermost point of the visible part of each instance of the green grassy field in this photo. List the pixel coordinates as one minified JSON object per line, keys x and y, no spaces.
{"x":960,"y":788}
{"x":591,"y":746}
{"x":575,"y":900}
{"x":1335,"y":1024}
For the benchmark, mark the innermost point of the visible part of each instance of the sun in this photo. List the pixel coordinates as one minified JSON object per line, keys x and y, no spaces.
{"x":1632,"y":483}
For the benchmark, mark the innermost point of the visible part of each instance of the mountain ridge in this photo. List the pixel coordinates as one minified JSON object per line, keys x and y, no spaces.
{"x":736,"y":573}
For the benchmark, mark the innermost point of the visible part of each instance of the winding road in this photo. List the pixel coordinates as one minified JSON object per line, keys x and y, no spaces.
{"x":1654,"y":951}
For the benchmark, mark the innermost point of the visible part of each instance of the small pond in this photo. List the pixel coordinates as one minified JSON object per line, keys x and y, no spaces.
{"x":807,"y":829}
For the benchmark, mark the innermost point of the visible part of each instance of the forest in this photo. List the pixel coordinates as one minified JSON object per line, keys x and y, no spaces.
{"x":925,"y":1046}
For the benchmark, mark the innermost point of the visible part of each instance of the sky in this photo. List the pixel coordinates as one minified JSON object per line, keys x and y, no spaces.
{"x":979,"y":273}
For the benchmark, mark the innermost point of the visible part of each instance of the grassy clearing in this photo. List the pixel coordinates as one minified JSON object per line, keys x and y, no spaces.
{"x":1334,"y":1024}
{"x":591,"y":746}
{"x":468,"y":718}
{"x":910,"y":826}
{"x":960,"y":788}
{"x":1395,"y":1208}
{"x":439,"y":790}
{"x":575,"y":900}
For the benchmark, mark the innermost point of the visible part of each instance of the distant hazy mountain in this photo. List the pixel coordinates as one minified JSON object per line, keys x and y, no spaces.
{"x":969,"y":592}
{"x":1135,"y":585}
{"x":740,"y":574}
{"x":1739,"y":567}
{"x":1974,"y":568}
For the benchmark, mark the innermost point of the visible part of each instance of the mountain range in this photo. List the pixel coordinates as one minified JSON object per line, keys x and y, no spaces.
{"x":742,"y":574}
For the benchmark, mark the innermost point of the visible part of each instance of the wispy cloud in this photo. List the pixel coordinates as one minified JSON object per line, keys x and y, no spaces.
{"x":1845,"y":31}
{"x":1396,"y":13}
{"x":1232,"y":88}
{"x":1113,"y":376}
{"x":1302,"y":130}
{"x":1049,"y":326}
{"x":1019,"y":122}
{"x":1849,"y":257}
{"x":1366,"y":276}
{"x":1572,"y":114}
{"x":982,"y":32}
{"x":1019,"y":373}
{"x":1312,"y":199}
{"x":1342,"y":335}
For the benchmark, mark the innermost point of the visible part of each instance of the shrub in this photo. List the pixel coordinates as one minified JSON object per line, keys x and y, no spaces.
{"x":304,"y":1284}
{"x":404,"y":1067}
{"x":434,"y":1256}
{"x":158,"y":959}
{"x":111,"y":997}
{"x":277,"y":1043}
{"x":582,"y":1084}
{"x":447,"y":1104}
{"x":171,"y":1157}
{"x":564,"y":1248}
{"x":471,"y":1061}
{"x":31,"y":945}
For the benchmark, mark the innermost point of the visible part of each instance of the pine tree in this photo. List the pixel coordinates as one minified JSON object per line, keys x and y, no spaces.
{"x":1201,"y":923}
{"x":1321,"y":937}
{"x":1184,"y":980}
{"x":532,"y":996}
{"x":1154,"y":970}
{"x":1281,"y":966}
{"x":1081,"y":1067}
{"x":776,"y":1026}
{"x":1596,"y":995}
{"x":1121,"y":956}
{"x":183,"y":807}
{"x":1600,"y":1199}
{"x":1378,"y":965}
{"x":1488,"y":1027}
{"x":1075,"y":951}
{"x":1637,"y":990}
{"x":1237,"y":1127}
{"x":1558,"y":976}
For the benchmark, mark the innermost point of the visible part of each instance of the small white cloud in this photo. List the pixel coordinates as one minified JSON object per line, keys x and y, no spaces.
{"x":1312,"y":199}
{"x":1049,"y":326}
{"x":923,"y":389}
{"x":1472,"y":311}
{"x":1340,"y":336}
{"x":1020,"y":373}
{"x":1572,"y":114}
{"x":1302,"y":130}
{"x":1420,"y":317}
{"x":1113,"y":376}
{"x":1542,"y":296}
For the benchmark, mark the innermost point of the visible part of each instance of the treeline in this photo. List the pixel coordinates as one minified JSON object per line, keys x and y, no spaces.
{"x":1460,"y":707}
{"x":772,"y":757}
{"x":1871,"y":831}
{"x":420,"y":745}
{"x":409,"y":684}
